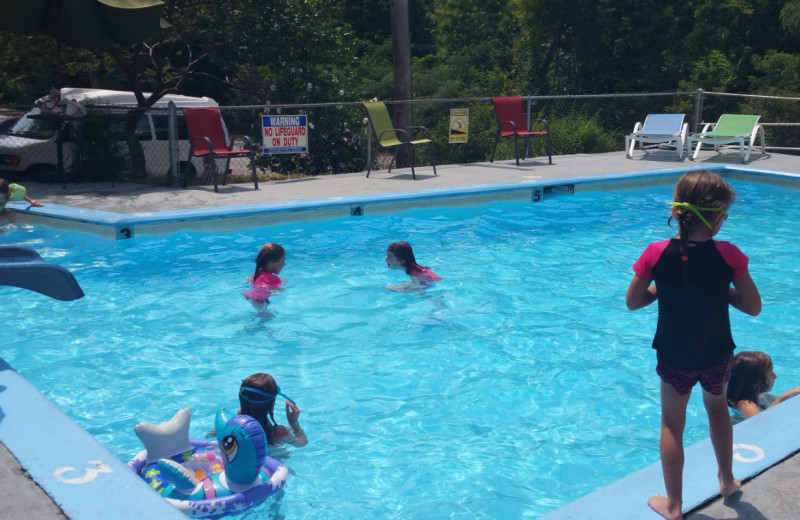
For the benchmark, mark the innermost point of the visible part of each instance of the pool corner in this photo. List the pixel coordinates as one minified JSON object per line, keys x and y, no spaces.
{"x":759,"y":443}
{"x":81,"y":476}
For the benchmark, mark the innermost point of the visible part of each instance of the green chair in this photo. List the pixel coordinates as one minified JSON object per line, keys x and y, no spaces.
{"x":731,"y":128}
{"x":390,"y":137}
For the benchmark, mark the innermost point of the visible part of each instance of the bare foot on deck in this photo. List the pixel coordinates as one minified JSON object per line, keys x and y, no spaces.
{"x":727,"y":489}
{"x":661,"y":505}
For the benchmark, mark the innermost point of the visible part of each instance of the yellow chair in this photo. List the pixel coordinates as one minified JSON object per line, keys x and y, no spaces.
{"x":391,"y":137}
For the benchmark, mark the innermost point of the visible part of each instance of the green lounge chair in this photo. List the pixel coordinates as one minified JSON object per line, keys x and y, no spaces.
{"x":659,"y":129}
{"x":390,"y":137}
{"x":731,"y":128}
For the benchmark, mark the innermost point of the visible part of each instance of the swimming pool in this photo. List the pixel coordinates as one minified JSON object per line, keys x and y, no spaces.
{"x":494,"y":395}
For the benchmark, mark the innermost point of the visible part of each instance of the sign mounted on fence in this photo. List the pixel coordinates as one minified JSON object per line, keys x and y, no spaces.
{"x":285,"y":134}
{"x":459,"y":125}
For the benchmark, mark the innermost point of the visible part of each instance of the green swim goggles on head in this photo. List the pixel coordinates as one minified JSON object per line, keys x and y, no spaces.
{"x":697,"y":209}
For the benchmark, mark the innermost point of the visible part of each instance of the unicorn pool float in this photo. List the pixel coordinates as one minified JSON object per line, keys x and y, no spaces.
{"x":208,"y":478}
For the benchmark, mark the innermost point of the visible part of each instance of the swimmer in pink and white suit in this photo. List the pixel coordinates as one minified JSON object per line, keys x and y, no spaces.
{"x":264,"y":283}
{"x":399,"y":255}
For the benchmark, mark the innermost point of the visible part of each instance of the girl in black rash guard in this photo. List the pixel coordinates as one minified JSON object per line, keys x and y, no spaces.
{"x":693,"y":275}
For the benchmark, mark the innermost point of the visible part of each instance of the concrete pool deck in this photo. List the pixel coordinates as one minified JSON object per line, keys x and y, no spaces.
{"x":770,"y":493}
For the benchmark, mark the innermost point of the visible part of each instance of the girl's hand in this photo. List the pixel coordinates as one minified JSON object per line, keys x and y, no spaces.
{"x":292,"y":414}
{"x":786,"y":395}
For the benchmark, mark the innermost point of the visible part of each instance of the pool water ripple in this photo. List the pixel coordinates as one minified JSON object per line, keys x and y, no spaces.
{"x":517,"y":384}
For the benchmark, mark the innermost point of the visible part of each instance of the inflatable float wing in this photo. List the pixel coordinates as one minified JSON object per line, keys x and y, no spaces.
{"x":23,"y":267}
{"x":208,"y":478}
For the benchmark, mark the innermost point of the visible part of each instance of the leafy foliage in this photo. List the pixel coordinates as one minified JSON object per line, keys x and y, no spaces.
{"x":578,"y":133}
{"x":285,"y":52}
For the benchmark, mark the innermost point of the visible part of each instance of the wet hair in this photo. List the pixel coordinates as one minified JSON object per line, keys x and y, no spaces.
{"x":703,"y":189}
{"x":4,"y":187}
{"x":749,"y":377}
{"x":268,"y":254}
{"x":403,"y":252}
{"x":257,"y":406}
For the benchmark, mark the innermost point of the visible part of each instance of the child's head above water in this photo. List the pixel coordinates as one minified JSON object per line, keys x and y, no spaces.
{"x":271,"y":258}
{"x":399,"y":255}
{"x":255,"y":400}
{"x":751,"y":375}
{"x":700,"y":199}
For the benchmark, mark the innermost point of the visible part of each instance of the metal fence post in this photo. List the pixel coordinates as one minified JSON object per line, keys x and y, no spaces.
{"x":528,"y":119}
{"x":172,"y":128}
{"x":369,"y":145}
{"x":698,"y":110}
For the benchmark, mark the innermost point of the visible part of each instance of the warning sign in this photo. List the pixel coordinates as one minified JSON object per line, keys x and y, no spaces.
{"x":459,"y":125}
{"x":285,"y":134}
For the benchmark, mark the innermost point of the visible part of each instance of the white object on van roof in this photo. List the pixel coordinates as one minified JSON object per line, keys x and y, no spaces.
{"x":31,"y":145}
{"x":93,"y":96}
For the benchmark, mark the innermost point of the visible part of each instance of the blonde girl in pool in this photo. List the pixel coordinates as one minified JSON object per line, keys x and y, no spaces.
{"x":693,"y":275}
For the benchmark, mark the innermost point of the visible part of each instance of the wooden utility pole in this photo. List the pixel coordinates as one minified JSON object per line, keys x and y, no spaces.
{"x":401,"y":53}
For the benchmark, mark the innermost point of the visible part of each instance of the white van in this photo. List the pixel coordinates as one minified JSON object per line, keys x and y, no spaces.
{"x":30,"y":145}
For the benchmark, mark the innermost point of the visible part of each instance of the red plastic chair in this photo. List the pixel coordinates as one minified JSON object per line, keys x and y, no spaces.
{"x":511,"y":121}
{"x":207,"y":138}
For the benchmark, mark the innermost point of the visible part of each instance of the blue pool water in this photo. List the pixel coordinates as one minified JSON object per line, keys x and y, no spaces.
{"x":517,"y":384}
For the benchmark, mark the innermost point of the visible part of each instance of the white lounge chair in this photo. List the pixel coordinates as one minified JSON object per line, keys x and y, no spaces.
{"x":658,"y":129}
{"x":731,"y":128}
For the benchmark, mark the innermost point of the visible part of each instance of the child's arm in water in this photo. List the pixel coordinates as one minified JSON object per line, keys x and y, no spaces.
{"x":744,"y":295}
{"x":641,"y":293}
{"x":786,"y":395}
{"x":749,"y":408}
{"x":408,"y":287}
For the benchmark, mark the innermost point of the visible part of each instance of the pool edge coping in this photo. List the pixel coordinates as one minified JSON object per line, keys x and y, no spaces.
{"x":78,"y":473}
{"x":29,"y":459}
{"x":126,"y":225}
{"x":627,"y":497}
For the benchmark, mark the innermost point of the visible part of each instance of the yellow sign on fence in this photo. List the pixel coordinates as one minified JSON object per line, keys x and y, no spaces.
{"x":459,"y":125}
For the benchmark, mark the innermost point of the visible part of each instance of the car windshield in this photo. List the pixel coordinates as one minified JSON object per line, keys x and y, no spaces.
{"x":33,"y":128}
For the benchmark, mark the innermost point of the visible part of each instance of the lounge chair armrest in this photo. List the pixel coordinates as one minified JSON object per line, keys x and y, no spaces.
{"x":512,"y":123}
{"x":424,"y":129}
{"x":248,"y":142}
{"x":756,"y":129}
{"x":204,"y":139}
{"x":546,"y":124}
{"x":399,"y":132}
{"x":707,"y":127}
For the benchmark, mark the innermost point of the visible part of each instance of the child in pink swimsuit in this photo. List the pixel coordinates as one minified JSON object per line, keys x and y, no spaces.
{"x":265,"y":282}
{"x":399,"y":255}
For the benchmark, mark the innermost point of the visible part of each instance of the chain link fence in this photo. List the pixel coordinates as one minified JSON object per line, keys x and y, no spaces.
{"x":100,"y":146}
